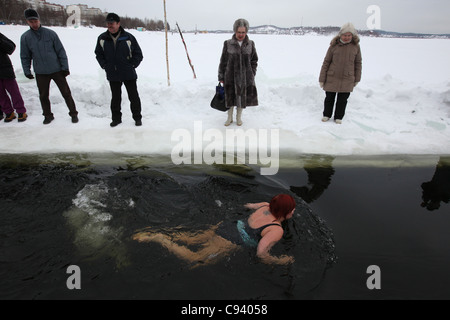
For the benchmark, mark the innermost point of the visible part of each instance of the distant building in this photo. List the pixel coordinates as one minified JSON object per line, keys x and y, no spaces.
{"x":39,"y":4}
{"x":86,"y":13}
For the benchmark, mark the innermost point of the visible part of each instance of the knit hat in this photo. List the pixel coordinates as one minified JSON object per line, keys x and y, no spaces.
{"x":348,"y":27}
{"x":31,"y":14}
{"x":112,"y":17}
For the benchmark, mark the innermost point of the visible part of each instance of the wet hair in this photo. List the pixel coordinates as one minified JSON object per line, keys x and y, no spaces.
{"x":281,"y":205}
{"x":240,"y":23}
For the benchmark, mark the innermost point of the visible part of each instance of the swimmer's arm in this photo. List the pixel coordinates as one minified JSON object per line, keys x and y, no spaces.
{"x":254,"y":206}
{"x":266,"y":243}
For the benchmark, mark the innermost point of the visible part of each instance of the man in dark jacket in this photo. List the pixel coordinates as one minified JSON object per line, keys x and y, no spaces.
{"x":8,"y":84}
{"x":43,"y":47}
{"x":119,"y":54}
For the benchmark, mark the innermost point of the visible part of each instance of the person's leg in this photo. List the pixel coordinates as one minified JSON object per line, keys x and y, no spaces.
{"x":5,"y":102}
{"x":63,"y":86}
{"x":43,"y":84}
{"x":135,"y":101}
{"x":196,"y":238}
{"x":230,"y":117}
{"x":239,"y":116}
{"x":341,"y":105}
{"x":116,"y":101}
{"x":181,"y":252}
{"x":13,"y":89}
{"x":213,"y":246}
{"x":329,"y":104}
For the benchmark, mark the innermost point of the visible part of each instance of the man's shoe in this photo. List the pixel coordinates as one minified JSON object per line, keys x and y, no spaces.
{"x":138,"y":123}
{"x":48,"y":119}
{"x":10,"y":117}
{"x":22,"y":117}
{"x":115,"y":123}
{"x":75,"y":119}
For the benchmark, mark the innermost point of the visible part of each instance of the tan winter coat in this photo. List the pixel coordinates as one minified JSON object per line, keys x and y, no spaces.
{"x":342,"y":66}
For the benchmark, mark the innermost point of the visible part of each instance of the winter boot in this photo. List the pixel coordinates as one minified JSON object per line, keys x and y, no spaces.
{"x":230,"y":117}
{"x":48,"y":119}
{"x":22,"y":117}
{"x":10,"y":117}
{"x":239,"y":117}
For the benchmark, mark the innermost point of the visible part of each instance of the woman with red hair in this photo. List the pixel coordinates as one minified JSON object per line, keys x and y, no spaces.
{"x":261,"y":230}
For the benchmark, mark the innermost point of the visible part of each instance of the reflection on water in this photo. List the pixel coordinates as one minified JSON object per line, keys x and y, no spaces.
{"x":320,"y":170}
{"x":438,"y":189}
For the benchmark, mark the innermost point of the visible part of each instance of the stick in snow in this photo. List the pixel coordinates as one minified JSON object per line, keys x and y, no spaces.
{"x":185,"y":47}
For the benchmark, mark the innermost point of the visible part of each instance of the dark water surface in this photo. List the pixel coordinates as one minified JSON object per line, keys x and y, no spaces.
{"x":64,"y":210}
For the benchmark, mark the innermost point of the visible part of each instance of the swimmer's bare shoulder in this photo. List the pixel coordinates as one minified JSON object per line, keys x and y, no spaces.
{"x":255,"y":206}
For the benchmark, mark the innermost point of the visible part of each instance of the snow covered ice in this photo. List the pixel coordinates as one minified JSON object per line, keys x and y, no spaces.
{"x":401,"y":106}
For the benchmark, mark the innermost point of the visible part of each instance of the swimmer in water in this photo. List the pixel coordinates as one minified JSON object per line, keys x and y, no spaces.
{"x":261,"y":230}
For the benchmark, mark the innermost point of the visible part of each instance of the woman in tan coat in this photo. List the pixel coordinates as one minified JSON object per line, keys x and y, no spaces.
{"x":341,"y":71}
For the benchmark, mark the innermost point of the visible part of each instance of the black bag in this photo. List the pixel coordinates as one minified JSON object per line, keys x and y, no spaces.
{"x":218,"y":102}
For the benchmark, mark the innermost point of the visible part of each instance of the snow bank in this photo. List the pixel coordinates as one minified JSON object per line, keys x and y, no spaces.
{"x":402,"y":105}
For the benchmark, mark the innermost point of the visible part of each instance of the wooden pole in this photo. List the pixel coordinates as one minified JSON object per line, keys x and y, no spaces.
{"x":187,"y":53}
{"x":167,"y":45}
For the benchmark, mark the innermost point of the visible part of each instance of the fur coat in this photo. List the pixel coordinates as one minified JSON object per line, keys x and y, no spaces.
{"x":342,"y":66}
{"x":237,"y":69}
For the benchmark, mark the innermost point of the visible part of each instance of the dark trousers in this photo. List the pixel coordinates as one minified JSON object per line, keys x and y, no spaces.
{"x":341,"y":104}
{"x":9,"y":92}
{"x":43,"y":84}
{"x":133,"y":96}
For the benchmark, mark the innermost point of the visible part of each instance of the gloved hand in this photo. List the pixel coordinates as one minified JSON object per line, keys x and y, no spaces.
{"x":65,"y":73}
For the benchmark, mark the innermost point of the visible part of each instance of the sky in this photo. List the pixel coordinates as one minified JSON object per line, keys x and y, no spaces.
{"x":419,"y":16}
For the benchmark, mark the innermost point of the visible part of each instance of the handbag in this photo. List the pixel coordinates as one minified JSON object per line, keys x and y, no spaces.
{"x":218,"y":102}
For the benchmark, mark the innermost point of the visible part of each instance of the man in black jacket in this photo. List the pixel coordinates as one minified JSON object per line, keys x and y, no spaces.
{"x":118,"y":52}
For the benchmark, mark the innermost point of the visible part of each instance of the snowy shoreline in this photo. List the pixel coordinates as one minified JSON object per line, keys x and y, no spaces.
{"x":401,"y":106}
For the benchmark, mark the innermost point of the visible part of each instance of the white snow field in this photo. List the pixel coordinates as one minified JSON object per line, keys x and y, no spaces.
{"x":401,"y":106}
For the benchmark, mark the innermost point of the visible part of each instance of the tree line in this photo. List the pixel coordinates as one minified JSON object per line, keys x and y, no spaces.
{"x":12,"y":12}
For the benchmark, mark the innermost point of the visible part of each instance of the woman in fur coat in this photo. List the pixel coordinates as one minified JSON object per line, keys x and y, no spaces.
{"x":237,"y":71}
{"x":341,"y":71}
